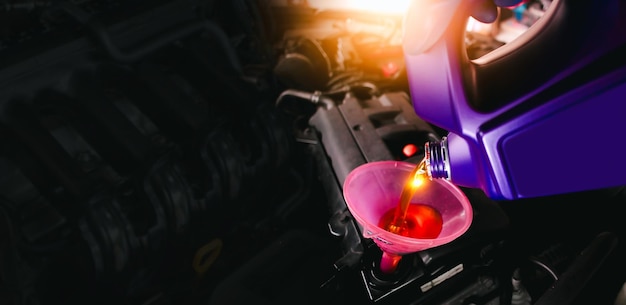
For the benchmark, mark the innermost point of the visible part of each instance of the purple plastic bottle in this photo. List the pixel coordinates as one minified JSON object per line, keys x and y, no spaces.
{"x":542,"y":115}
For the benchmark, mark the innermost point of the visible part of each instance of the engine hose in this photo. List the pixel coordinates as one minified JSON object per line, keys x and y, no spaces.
{"x":209,"y":188}
{"x":108,"y":236}
{"x":150,"y":229}
{"x":166,"y":185}
{"x":315,"y":97}
{"x":252,"y":145}
{"x":220,"y":150}
{"x":24,"y":5}
{"x":130,"y":56}
{"x":277,"y":133}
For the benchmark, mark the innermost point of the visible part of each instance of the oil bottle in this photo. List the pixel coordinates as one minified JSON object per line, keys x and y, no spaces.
{"x":543,"y":114}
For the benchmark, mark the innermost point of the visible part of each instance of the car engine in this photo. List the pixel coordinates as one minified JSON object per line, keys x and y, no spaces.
{"x":193,"y":152}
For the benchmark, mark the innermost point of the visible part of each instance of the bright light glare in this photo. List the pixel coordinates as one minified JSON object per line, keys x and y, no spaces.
{"x":374,"y":6}
{"x":476,"y":26}
{"x":417,"y":181}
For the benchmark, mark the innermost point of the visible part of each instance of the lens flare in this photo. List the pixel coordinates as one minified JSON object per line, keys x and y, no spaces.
{"x":373,"y":6}
{"x":418,"y":180}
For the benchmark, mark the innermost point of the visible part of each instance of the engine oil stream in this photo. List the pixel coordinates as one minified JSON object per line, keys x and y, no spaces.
{"x":415,"y":180}
{"x":413,"y":220}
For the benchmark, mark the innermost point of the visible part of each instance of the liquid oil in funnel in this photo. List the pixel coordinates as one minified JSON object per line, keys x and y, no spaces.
{"x":413,"y":220}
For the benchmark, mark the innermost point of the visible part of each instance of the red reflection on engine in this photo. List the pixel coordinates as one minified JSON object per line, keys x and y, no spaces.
{"x":409,"y":150}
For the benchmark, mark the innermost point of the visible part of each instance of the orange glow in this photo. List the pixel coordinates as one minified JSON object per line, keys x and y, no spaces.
{"x":418,"y":180}
{"x":373,"y":6}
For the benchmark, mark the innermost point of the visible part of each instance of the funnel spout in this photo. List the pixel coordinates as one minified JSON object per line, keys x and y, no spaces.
{"x":389,"y":262}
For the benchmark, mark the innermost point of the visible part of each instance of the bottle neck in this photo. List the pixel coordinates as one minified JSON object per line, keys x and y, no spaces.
{"x":437,"y":164}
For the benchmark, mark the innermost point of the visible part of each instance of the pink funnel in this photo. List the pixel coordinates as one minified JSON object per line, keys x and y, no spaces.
{"x":374,"y":188}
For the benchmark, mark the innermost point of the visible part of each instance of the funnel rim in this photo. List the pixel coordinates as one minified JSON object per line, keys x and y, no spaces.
{"x":399,"y":239}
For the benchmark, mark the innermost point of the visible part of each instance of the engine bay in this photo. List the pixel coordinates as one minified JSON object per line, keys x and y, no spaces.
{"x":193,"y":152}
